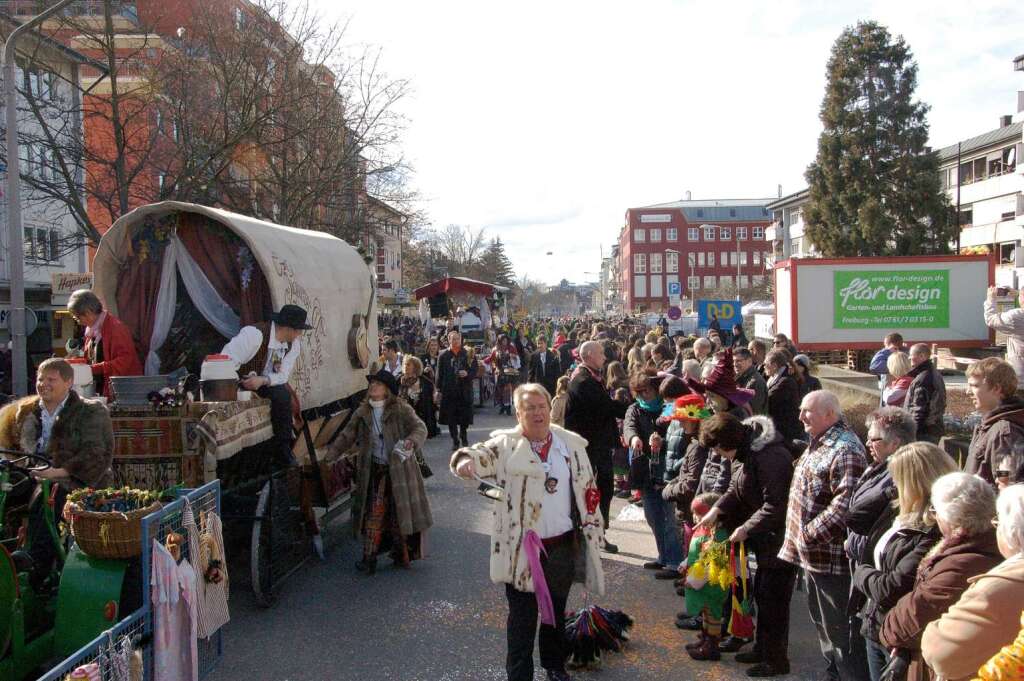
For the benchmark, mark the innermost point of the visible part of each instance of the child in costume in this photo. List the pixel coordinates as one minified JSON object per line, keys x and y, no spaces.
{"x":708,"y":579}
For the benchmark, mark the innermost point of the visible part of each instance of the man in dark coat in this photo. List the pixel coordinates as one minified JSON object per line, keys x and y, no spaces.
{"x":926,"y":396}
{"x":590,"y":412}
{"x":783,"y":396}
{"x":455,"y":374}
{"x":748,"y":377}
{"x":544,"y":366}
{"x":565,"y":358}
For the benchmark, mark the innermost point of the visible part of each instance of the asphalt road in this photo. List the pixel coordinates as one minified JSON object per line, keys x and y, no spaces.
{"x":444,"y":620}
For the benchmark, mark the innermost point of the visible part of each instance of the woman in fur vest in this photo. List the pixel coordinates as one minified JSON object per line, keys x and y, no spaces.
{"x":548,"y":527}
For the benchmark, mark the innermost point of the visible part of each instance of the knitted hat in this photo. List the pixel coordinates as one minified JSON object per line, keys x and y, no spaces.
{"x":722,"y":381}
{"x":690,"y":408}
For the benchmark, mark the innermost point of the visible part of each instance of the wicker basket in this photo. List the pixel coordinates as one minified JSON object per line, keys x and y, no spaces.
{"x":114,"y":534}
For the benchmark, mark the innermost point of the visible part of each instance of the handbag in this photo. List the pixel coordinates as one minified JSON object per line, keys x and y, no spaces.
{"x":425,"y":470}
{"x":741,"y":623}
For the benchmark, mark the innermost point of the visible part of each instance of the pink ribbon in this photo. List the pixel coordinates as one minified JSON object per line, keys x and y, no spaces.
{"x":534,"y":547}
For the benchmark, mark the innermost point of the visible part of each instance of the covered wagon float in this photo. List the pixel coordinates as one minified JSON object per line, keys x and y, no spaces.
{"x":185,"y":278}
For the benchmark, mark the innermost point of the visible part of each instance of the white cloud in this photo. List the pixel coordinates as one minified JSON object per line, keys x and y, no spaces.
{"x":545,"y":121}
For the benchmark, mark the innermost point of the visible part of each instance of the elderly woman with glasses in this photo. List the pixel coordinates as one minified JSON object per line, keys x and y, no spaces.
{"x":963,"y":505}
{"x":889,"y":428}
{"x":987,"y":616}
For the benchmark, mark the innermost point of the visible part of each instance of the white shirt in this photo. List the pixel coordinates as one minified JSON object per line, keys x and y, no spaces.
{"x":883,"y":542}
{"x":556,"y":509}
{"x":48,"y":420}
{"x":280,"y":361}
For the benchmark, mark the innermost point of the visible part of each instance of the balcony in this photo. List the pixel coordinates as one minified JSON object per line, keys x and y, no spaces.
{"x":82,"y":8}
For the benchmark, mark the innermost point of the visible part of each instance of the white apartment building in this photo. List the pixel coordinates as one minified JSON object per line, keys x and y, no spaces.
{"x":52,"y":244}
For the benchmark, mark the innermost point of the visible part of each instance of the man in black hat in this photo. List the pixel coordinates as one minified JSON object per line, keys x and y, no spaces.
{"x":265,"y":355}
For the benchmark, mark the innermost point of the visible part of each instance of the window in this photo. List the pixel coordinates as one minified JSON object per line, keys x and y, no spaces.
{"x":758,"y":233}
{"x":640,"y":263}
{"x":709,"y":233}
{"x":725,"y":281}
{"x":42,"y":244}
{"x":733,"y":258}
{"x":757,"y":257}
{"x":161,"y":180}
{"x":657,"y":290}
{"x":741,"y":233}
{"x":239,"y":19}
{"x":979,"y":170}
{"x":711,"y":259}
{"x":743,"y":258}
{"x":700,"y":259}
{"x":758,"y":279}
{"x":744,"y":281}
{"x":700,"y":212}
{"x":966,"y":216}
{"x":672,"y":234}
{"x":1006,"y":252}
{"x":640,"y":286}
{"x":672,"y":262}
{"x":1008,"y":216}
{"x":732,"y":212}
{"x":966,"y":173}
{"x":693,"y":233}
{"x":726,"y":234}
{"x":655,"y":235}
{"x":655,"y":263}
{"x":640,"y":236}
{"x":709,"y":281}
{"x":693,"y":283}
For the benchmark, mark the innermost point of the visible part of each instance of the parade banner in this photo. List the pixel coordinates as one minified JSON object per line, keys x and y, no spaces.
{"x":874,"y":299}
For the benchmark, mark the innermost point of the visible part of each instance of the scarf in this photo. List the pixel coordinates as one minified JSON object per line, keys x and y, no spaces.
{"x":94,"y":331}
{"x":654,"y":406}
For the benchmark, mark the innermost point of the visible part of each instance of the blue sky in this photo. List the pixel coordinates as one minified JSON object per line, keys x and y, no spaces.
{"x":545,"y":121}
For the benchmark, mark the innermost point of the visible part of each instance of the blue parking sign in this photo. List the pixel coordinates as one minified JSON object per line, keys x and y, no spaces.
{"x":675,"y":288}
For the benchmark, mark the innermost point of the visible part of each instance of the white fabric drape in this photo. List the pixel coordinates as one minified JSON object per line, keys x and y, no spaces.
{"x":203,"y":294}
{"x":485,"y":313}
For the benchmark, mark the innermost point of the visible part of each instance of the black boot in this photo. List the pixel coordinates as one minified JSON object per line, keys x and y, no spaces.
{"x":367,"y":565}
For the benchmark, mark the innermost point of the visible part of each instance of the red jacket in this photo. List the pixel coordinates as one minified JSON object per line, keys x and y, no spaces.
{"x":119,"y":355}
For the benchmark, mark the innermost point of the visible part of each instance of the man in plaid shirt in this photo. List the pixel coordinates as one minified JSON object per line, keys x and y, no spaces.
{"x":819,"y":501}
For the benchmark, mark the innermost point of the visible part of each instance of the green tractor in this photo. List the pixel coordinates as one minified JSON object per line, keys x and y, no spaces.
{"x":47,"y":614}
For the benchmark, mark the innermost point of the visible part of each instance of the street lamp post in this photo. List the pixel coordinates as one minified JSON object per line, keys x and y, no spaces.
{"x":15,"y":234}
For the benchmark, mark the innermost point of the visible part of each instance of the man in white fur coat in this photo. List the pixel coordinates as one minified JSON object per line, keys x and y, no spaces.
{"x":548,"y":519}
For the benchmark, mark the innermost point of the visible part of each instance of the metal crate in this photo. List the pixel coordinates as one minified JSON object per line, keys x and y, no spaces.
{"x":139,"y":625}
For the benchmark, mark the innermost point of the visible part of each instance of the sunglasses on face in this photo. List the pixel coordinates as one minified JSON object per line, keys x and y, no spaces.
{"x":1002,"y":474}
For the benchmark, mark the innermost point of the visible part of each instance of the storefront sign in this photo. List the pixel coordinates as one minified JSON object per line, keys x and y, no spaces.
{"x":728,"y":312}
{"x":63,"y":284}
{"x":888,"y":299}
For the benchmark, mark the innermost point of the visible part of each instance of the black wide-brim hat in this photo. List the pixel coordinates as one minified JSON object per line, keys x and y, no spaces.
{"x":292,"y":316}
{"x":387,"y":378}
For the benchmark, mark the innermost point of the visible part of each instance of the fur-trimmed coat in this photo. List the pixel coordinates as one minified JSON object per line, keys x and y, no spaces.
{"x":81,"y":442}
{"x":399,"y":423}
{"x":508,"y":459}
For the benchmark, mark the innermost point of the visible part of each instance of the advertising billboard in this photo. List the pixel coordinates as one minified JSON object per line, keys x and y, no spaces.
{"x":851,"y":303}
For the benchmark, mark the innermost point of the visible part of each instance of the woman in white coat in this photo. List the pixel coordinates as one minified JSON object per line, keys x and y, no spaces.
{"x":547,"y":524}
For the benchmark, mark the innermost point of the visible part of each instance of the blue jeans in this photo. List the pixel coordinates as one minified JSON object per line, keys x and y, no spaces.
{"x":878,"y":657}
{"x":661,"y":517}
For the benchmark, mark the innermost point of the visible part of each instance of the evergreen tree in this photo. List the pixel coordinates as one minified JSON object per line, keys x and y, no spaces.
{"x":495,"y":267}
{"x":874,"y":186}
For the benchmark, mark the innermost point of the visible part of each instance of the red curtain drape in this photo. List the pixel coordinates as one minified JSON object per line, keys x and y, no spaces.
{"x":137,"y":288}
{"x":240,"y":284}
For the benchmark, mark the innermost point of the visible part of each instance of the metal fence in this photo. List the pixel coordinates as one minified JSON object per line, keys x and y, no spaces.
{"x":138,"y":627}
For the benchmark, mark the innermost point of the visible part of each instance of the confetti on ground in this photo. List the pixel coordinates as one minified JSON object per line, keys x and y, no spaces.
{"x":631,"y":514}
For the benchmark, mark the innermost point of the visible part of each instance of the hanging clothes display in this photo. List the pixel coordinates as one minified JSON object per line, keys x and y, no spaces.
{"x":206,"y":548}
{"x":174,"y":596}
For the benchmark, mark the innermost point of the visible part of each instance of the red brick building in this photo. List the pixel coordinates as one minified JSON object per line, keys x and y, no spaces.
{"x":711,"y":247}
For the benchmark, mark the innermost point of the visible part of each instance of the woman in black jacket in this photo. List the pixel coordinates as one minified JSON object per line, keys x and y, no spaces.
{"x":783,"y":396}
{"x":418,"y":391}
{"x":645,"y":436}
{"x":889,"y":428}
{"x":754,"y":509}
{"x":901,"y":537}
